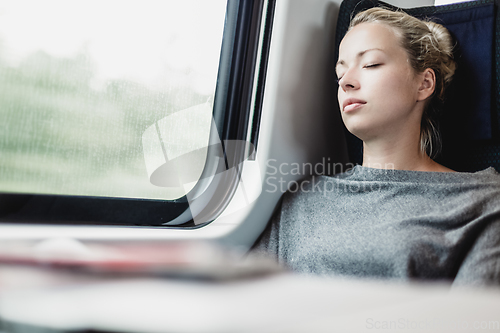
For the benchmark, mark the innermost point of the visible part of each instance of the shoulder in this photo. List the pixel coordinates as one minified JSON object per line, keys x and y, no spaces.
{"x":315,"y":187}
{"x":486,"y":175}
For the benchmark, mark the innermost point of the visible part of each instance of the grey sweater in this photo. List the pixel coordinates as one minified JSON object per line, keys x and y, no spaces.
{"x":391,"y":224}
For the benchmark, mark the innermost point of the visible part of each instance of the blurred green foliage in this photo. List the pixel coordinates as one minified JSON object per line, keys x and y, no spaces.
{"x":62,"y":133}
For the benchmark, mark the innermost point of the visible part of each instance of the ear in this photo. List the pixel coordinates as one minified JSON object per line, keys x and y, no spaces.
{"x":427,"y":84}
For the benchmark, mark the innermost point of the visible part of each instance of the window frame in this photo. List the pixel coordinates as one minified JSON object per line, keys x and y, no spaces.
{"x":232,"y":116}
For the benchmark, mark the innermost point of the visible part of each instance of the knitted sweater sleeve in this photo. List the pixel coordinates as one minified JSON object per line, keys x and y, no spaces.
{"x":481,"y":265}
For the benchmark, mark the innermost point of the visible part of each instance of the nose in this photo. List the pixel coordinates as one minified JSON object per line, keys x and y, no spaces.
{"x":349,"y":81}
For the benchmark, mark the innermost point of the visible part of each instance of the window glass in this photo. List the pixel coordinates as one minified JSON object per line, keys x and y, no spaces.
{"x":447,"y":2}
{"x":95,"y":94}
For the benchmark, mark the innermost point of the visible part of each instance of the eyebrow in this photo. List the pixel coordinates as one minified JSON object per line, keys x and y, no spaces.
{"x":359,"y":55}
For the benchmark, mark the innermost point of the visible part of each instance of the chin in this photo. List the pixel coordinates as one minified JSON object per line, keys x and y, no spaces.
{"x":361,"y":131}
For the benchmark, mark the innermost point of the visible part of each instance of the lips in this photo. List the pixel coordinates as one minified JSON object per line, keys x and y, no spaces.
{"x":351,"y":104}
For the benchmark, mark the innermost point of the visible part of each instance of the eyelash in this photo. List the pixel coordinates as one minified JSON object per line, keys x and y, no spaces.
{"x":366,"y":66}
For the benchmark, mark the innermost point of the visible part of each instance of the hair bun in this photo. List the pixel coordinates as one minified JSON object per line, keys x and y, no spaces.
{"x":443,"y":42}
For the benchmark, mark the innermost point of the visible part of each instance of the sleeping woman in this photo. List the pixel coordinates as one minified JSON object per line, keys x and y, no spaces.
{"x":400,"y":215}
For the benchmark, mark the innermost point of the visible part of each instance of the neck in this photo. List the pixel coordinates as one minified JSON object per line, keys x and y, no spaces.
{"x":399,"y":148}
{"x":398,"y":155}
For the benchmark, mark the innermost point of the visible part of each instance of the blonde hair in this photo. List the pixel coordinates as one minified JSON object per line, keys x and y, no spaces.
{"x":428,"y":45}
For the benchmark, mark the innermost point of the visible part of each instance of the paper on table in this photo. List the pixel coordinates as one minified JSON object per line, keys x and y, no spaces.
{"x":187,"y":259}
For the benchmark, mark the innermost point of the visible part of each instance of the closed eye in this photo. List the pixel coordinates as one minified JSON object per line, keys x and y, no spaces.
{"x":366,"y":66}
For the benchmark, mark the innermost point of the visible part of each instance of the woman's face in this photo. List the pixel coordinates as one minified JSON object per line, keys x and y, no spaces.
{"x":378,"y":88}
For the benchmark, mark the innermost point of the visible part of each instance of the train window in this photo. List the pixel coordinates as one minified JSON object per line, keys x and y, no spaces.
{"x":110,"y":111}
{"x":447,"y":2}
{"x":82,"y":84}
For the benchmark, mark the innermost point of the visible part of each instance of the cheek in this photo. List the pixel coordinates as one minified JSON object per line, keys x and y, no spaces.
{"x":340,"y":97}
{"x":397,"y":88}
